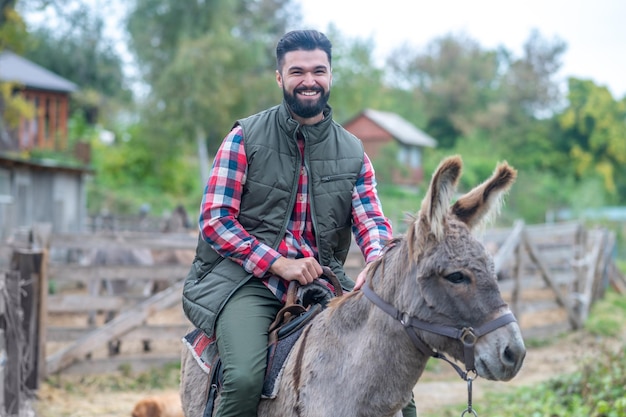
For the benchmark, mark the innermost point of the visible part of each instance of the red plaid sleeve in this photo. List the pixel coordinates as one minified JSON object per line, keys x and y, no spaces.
{"x":220,"y":208}
{"x":371,"y":228}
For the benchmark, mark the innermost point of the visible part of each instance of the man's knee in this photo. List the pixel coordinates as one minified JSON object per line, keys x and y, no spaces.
{"x":246,"y":384}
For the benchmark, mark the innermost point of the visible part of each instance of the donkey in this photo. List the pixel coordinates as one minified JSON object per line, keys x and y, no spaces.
{"x":432,"y":292}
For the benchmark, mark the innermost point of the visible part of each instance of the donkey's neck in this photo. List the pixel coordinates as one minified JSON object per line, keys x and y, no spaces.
{"x":378,"y":342}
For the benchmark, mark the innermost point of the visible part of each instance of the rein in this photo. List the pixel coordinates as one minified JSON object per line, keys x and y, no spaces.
{"x":467,"y":335}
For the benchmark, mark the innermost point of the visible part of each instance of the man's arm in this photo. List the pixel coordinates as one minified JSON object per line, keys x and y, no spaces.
{"x":372,"y":230}
{"x":219,"y":210}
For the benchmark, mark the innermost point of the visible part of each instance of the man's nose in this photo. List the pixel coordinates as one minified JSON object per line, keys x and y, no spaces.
{"x":309,"y":79}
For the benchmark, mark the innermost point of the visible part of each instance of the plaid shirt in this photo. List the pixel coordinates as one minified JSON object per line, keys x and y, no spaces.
{"x":220,"y":208}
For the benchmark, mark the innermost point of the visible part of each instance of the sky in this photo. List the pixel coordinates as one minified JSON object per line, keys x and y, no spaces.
{"x":594,"y":30}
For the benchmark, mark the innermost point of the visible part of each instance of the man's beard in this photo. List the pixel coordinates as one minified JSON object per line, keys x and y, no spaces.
{"x":306,"y":108}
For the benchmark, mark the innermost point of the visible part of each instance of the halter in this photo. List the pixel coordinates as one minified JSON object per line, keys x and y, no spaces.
{"x":467,"y":335}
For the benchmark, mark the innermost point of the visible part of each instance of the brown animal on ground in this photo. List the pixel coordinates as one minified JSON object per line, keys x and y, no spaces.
{"x":356,"y":359}
{"x":165,"y":405}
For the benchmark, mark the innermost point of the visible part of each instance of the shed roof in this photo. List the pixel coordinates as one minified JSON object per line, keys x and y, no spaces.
{"x":8,"y":161}
{"x":400,"y":128}
{"x":14,"y":68}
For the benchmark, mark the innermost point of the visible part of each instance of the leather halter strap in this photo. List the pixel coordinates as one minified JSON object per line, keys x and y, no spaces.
{"x":467,"y":335}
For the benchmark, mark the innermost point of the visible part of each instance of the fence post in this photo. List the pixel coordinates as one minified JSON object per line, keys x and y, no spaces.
{"x":42,"y":235}
{"x":3,"y":345}
{"x":28,"y":263}
{"x":14,"y":342}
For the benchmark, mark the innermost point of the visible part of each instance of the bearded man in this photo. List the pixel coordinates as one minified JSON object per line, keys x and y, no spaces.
{"x":287,"y":189}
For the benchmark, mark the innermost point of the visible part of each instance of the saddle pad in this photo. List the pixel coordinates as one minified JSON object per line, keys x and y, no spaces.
{"x":197,"y":342}
{"x":276,"y":357}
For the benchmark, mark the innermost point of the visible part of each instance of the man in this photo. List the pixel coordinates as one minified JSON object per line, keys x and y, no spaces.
{"x":287,"y":187}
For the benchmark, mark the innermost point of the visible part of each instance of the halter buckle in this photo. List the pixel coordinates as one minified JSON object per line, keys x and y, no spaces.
{"x":405,"y":319}
{"x":468,"y":337}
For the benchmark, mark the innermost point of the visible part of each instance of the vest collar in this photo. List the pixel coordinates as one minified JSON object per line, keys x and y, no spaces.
{"x":313,"y":133}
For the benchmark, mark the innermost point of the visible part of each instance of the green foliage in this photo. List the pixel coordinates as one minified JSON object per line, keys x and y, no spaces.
{"x":608,"y":316}
{"x":467,"y":88}
{"x":357,"y":81}
{"x":594,"y":129}
{"x":15,"y":107}
{"x":76,"y":48}
{"x":596,"y":390}
{"x":398,"y":202}
{"x":13,"y":33}
{"x":125,"y":379}
{"x":213,"y":64}
{"x":129,"y":174}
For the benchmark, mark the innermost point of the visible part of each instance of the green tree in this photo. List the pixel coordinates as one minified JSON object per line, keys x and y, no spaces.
{"x":594,"y":135}
{"x":357,"y":81}
{"x":13,"y":36}
{"x":79,"y":50}
{"x":206,"y":63}
{"x":456,"y":79}
{"x":531,"y":94}
{"x":466,"y":89}
{"x":529,"y":84}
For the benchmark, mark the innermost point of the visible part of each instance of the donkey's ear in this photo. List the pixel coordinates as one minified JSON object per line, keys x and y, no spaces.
{"x":485,"y":200}
{"x":430,"y":219}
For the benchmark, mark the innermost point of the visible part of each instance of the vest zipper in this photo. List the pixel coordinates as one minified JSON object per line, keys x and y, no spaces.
{"x":329,"y":178}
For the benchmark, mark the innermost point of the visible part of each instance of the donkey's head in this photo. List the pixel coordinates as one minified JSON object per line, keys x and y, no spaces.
{"x":455,"y":274}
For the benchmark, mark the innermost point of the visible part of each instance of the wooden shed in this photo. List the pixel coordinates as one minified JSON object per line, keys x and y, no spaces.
{"x":49,"y":94}
{"x":376,"y":129}
{"x":42,"y":191}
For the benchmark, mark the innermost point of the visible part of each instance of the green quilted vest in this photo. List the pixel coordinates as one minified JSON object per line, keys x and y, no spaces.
{"x":333,"y":158}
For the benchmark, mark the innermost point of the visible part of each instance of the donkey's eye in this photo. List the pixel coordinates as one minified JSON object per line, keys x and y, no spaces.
{"x":457,"y":277}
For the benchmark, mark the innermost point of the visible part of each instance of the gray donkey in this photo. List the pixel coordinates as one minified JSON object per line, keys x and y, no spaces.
{"x":432,"y":292}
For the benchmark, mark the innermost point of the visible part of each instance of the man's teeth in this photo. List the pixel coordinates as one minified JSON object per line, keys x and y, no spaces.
{"x":308,"y":93}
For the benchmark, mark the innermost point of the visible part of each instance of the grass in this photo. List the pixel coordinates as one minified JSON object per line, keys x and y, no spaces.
{"x":608,"y":315}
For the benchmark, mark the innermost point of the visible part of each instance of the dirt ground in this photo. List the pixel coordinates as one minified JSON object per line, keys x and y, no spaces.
{"x":439,"y":386}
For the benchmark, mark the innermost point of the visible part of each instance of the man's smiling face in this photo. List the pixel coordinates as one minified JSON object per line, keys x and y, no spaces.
{"x":305,"y":78}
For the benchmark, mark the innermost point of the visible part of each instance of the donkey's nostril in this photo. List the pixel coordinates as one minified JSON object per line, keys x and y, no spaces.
{"x":509,"y":355}
{"x":514,"y":355}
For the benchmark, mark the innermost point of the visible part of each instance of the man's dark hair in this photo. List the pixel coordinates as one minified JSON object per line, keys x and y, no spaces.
{"x":302,"y":40}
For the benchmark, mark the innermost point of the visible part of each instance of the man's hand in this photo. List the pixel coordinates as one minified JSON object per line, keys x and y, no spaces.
{"x":303,"y":270}
{"x":360,"y":279}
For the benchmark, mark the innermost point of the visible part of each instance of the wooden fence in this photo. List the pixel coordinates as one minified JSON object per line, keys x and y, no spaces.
{"x":119,"y":311}
{"x":552,"y":274}
{"x":97,"y":316}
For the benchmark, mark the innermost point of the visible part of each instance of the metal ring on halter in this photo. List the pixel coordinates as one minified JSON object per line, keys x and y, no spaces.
{"x":469,"y":408}
{"x":468,"y":337}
